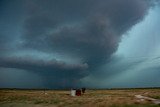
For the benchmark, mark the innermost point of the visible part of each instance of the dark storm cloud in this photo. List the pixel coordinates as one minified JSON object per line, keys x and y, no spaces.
{"x":3,"y":41}
{"x":88,"y":29}
{"x":56,"y":74}
{"x":52,"y":67}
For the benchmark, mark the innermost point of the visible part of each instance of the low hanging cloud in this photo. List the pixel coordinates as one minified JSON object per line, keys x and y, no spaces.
{"x":88,"y":29}
{"x":39,"y":66}
{"x":56,"y":73}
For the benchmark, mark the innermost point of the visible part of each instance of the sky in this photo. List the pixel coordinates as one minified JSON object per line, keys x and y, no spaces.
{"x":79,"y":43}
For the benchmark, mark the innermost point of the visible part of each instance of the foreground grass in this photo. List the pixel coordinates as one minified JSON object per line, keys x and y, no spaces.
{"x":92,"y":98}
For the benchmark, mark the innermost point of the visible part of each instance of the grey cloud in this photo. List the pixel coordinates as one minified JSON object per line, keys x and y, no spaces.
{"x":52,"y":66}
{"x":126,"y":72}
{"x":5,"y":44}
{"x":117,"y":65}
{"x":17,"y":78}
{"x":55,"y":74}
{"x":88,"y":29}
{"x":91,"y":30}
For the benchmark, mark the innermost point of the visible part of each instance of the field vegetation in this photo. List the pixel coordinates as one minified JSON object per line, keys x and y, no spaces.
{"x":92,"y":98}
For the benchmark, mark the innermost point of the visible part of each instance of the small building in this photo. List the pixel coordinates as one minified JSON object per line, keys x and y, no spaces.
{"x":73,"y":92}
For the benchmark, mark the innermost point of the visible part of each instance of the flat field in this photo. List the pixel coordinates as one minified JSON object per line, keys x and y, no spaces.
{"x":92,"y":98}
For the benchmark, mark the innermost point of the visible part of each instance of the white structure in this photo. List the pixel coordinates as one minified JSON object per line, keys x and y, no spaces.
{"x":73,"y":92}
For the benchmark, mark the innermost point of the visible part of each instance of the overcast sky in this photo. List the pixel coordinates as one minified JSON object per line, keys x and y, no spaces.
{"x":79,"y":43}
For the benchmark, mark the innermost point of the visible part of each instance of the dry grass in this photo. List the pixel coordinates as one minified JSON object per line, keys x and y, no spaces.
{"x":92,"y":98}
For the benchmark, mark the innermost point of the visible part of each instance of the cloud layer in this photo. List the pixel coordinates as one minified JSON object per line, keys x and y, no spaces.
{"x":87,"y":30}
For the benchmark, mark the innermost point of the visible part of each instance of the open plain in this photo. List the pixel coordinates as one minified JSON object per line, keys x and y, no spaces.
{"x":92,"y":98}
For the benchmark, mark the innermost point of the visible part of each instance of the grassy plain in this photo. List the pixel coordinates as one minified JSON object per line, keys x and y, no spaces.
{"x":92,"y":98}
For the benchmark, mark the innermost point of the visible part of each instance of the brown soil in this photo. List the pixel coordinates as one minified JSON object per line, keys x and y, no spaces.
{"x":92,"y":98}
